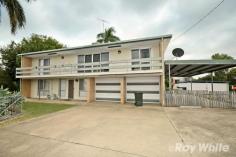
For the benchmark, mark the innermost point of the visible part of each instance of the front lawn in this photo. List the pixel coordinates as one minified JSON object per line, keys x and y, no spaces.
{"x":35,"y":109}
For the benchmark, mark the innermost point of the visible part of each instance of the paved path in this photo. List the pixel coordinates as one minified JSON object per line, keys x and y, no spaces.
{"x":107,"y":130}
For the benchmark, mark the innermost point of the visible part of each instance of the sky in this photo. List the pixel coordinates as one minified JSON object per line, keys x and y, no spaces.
{"x":75,"y":23}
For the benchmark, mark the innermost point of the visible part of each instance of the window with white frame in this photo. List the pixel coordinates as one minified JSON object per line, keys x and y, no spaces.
{"x":81,"y":60}
{"x":88,"y":58}
{"x":139,"y":59}
{"x":44,"y":62}
{"x":96,"y":59}
{"x":88,"y":61}
{"x":42,"y":66}
{"x":93,"y":62}
{"x":105,"y":61}
{"x":81,"y":85}
{"x":82,"y":88}
{"x":43,"y":88}
{"x":145,"y":53}
{"x":62,"y":90}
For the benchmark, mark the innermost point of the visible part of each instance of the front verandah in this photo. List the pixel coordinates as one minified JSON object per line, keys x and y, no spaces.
{"x":27,"y":87}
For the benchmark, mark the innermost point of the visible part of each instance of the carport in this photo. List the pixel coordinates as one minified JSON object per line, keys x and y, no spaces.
{"x":189,"y":68}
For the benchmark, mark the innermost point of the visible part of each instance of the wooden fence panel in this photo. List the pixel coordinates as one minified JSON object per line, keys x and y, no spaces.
{"x":201,"y":98}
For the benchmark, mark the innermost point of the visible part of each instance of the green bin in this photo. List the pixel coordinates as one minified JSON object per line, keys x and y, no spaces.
{"x":138,"y":98}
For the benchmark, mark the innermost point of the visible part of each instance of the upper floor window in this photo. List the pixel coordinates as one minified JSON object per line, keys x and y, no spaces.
{"x":135,"y":54}
{"x":105,"y":57}
{"x":81,"y":59}
{"x":88,"y":58}
{"x":96,"y":59}
{"x":42,"y":64}
{"x":145,"y":53}
{"x":138,"y":56}
{"x":140,"y":53}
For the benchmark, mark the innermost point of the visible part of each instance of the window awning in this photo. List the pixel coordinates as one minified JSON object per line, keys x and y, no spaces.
{"x":188,"y":68}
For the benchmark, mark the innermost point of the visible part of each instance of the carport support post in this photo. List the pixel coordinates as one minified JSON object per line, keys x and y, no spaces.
{"x":170,"y":86}
{"x":212,"y":79}
{"x":191,"y":83}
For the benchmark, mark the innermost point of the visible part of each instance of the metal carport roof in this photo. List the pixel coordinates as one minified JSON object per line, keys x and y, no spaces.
{"x":188,"y":68}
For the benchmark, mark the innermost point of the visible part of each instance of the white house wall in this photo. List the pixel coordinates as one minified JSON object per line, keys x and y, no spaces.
{"x":113,"y":55}
{"x":71,"y":57}
{"x":204,"y":86}
{"x":34,"y":88}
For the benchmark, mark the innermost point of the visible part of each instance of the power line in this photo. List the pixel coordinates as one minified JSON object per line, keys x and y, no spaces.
{"x":199,"y":21}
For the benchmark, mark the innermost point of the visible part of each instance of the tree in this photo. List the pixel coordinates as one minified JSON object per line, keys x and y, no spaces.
{"x":39,"y":43}
{"x":232,"y":76}
{"x":2,"y":78}
{"x":15,"y":13}
{"x":221,"y":56}
{"x":9,"y":63}
{"x":107,"y":36}
{"x":222,"y":75}
{"x":10,"y":60}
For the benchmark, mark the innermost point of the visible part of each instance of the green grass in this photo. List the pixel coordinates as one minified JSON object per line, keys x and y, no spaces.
{"x":34,"y":109}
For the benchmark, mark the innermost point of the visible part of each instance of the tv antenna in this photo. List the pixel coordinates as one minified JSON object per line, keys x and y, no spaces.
{"x":0,"y":14}
{"x":103,"y":21}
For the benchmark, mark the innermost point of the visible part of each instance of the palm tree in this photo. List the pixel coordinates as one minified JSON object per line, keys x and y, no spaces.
{"x":107,"y":36}
{"x":15,"y":12}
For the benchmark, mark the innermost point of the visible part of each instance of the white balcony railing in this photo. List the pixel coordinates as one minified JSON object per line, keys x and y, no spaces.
{"x":88,"y":68}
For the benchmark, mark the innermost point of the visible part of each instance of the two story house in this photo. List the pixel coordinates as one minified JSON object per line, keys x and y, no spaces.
{"x":98,"y":72}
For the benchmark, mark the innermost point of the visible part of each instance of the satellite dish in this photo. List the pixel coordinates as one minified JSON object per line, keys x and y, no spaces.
{"x":178,"y":52}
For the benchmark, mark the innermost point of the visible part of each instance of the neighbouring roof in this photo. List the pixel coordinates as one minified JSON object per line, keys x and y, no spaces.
{"x":100,"y":45}
{"x":188,"y":68}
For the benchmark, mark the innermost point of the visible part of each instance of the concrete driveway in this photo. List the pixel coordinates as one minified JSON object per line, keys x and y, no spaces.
{"x":105,"y":129}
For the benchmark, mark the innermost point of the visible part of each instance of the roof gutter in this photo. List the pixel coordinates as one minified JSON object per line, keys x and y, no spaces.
{"x":99,"y":45}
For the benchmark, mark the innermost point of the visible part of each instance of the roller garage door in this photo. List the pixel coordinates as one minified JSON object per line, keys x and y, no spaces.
{"x":107,"y":89}
{"x":150,"y":86}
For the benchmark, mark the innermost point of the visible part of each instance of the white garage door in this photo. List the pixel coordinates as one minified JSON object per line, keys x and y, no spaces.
{"x":149,"y":86}
{"x":107,"y":89}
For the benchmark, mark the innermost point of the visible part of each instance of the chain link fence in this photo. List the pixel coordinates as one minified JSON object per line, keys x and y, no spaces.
{"x":10,"y":104}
